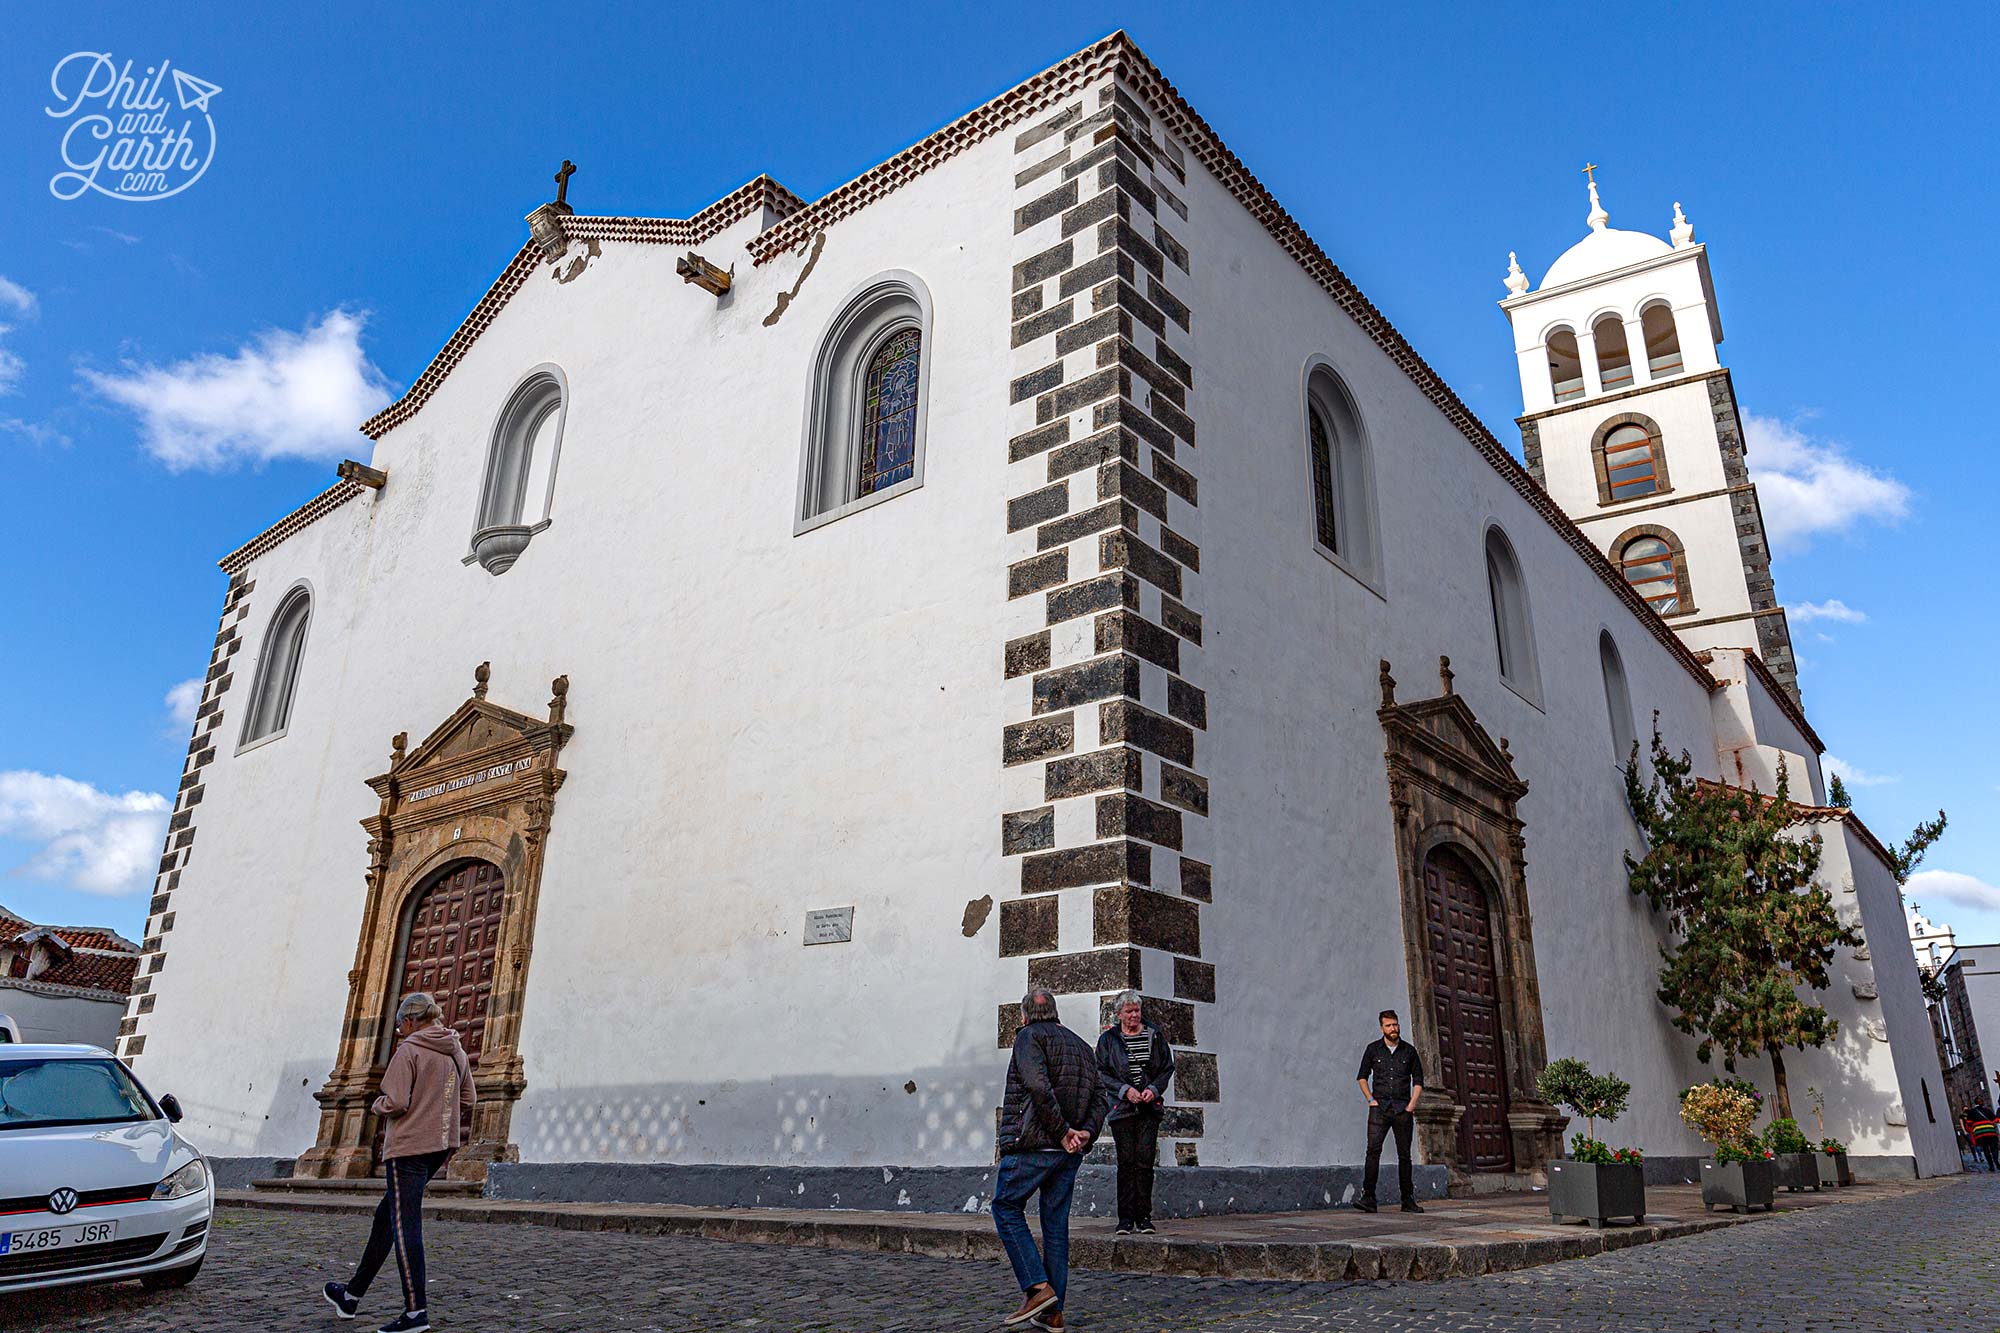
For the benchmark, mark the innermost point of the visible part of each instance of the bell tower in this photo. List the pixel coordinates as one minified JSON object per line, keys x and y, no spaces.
{"x":1629,"y":422}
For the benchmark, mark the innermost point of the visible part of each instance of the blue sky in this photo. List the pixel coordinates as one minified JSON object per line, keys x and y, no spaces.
{"x":175,"y":374}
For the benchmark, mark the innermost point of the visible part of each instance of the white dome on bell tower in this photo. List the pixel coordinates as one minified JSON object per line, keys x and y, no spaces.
{"x":1603,"y":250}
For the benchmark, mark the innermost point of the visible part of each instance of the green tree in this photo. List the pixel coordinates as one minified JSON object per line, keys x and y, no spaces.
{"x":1911,"y":854}
{"x":1748,"y":927}
{"x":1836,"y":794}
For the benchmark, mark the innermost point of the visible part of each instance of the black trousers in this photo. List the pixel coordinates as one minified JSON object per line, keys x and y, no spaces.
{"x":399,"y":1226}
{"x":1138,"y":1140}
{"x":1382,"y":1119}
{"x":1991,"y":1149}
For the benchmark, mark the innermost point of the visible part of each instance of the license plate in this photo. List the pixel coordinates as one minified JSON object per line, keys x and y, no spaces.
{"x":56,"y":1238}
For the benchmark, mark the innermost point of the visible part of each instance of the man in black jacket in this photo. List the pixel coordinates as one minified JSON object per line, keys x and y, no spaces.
{"x":1391,"y":1078}
{"x":1135,"y":1062}
{"x":1054,"y":1106}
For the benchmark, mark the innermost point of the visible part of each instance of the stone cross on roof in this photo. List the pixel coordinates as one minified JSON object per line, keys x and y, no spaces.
{"x":562,"y":181}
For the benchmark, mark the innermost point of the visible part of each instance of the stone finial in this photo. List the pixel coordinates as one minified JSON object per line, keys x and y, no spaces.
{"x":1683,"y":231}
{"x":1445,"y":676}
{"x":1517,"y":281}
{"x":397,"y":745}
{"x":1598,"y":217}
{"x":1506,"y":753}
{"x":1387,"y":682}
{"x":480,"y":675}
{"x":558,"y":700}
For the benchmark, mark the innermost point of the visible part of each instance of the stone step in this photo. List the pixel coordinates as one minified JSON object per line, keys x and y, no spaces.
{"x":371,"y":1185}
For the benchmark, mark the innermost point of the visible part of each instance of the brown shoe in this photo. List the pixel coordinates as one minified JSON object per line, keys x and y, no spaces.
{"x":1034,"y":1301}
{"x":1052,"y":1322}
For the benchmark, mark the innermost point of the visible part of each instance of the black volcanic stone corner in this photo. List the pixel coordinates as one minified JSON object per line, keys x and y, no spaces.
{"x":1124,"y":720}
{"x":1117,"y":862}
{"x":1082,"y":973}
{"x":1101,"y":593}
{"x":1028,"y":830}
{"x":1126,"y":815}
{"x":1193,"y":980}
{"x":1197,"y":879}
{"x":1037,"y":738}
{"x":1099,"y":770}
{"x":1101,"y":678}
{"x":1125,"y":914}
{"x":1037,"y":572}
{"x":1187,"y":790}
{"x":1028,"y":925}
{"x":1135,"y":634}
{"x":1195,"y":1078}
{"x":1028,"y":654}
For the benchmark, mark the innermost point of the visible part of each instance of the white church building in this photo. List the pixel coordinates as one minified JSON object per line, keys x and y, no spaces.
{"x":764,"y":643}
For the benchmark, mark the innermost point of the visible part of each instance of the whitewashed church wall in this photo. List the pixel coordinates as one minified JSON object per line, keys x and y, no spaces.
{"x":1306,"y":928}
{"x":1874,"y":1071}
{"x":1752,"y":733}
{"x":765,"y":724}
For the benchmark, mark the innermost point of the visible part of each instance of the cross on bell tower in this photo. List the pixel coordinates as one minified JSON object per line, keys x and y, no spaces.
{"x":562,"y":181}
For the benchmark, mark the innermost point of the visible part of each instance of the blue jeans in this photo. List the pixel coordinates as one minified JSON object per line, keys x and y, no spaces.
{"x":1021,"y":1174}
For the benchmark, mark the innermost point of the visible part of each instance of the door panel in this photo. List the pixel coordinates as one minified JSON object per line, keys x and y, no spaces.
{"x":1466,"y":999}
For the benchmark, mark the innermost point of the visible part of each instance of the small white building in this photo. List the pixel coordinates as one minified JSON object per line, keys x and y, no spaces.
{"x":1033,"y":562}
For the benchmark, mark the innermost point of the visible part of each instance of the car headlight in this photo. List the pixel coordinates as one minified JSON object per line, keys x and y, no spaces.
{"x":188,"y":1180}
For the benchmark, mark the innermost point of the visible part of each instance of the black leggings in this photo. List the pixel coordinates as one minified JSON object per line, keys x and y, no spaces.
{"x":399,"y":1225}
{"x":1138,"y":1139}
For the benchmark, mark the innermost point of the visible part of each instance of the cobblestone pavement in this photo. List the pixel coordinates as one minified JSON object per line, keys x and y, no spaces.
{"x":1928,"y":1261}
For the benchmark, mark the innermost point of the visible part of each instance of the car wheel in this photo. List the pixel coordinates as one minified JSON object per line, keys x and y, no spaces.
{"x":169,"y":1278}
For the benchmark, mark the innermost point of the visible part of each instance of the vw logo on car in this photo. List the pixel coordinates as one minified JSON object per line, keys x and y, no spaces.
{"x":62,"y":1201}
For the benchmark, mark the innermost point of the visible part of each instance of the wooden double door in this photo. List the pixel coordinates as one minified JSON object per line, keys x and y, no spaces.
{"x":1465,"y":983}
{"x":451,"y":949}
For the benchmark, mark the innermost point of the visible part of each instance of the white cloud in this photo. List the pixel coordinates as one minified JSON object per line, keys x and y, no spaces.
{"x":91,"y":840}
{"x":286,"y":395}
{"x":1950,"y":886}
{"x":1852,"y":776}
{"x":14,"y":294}
{"x":1831,"y":609}
{"x":1808,"y":486}
{"x":124,"y":237}
{"x":34,"y":432}
{"x":182,"y":700}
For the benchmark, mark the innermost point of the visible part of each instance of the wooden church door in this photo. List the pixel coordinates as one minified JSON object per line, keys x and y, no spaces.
{"x":1466,"y":991}
{"x":451,"y":951}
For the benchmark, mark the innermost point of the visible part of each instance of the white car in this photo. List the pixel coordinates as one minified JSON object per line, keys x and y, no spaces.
{"x":95,"y":1183}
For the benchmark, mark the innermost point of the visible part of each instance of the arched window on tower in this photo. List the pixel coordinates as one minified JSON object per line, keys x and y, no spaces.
{"x":1663,"y":340}
{"x":1565,"y":366}
{"x":518,"y":491}
{"x":1513,"y":631}
{"x":1343,"y":478}
{"x":865,"y":415}
{"x":277,"y":678}
{"x":1614,"y":358}
{"x":1630,"y":465}
{"x":1654,"y":563}
{"x":1617,"y":698}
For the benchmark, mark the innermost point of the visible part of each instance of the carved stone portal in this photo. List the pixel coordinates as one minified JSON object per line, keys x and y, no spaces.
{"x":1454,"y":794}
{"x":480,"y":788}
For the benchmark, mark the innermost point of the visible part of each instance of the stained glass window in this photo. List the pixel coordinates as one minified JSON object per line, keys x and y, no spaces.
{"x":1322,"y":468}
{"x":889,"y":413}
{"x":1648,"y":565}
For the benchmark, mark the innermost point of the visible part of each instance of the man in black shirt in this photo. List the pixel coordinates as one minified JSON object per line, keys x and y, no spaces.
{"x":1391,"y":1078}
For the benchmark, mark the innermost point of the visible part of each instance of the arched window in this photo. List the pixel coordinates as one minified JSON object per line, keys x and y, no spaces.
{"x":1565,"y":366}
{"x":1617,"y":698}
{"x":866,"y":409}
{"x":1653,"y":562}
{"x":1614,"y":358}
{"x":1343,"y":478}
{"x":277,"y":677}
{"x":518,"y":490}
{"x":1663,"y":341}
{"x":1513,"y":632}
{"x":1629,"y":460}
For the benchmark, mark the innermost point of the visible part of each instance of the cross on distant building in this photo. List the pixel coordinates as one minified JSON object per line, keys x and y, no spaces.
{"x":1588,"y":168}
{"x":562,"y":181}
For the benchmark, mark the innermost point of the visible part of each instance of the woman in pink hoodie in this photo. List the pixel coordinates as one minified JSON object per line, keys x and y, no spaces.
{"x":425,"y":1091}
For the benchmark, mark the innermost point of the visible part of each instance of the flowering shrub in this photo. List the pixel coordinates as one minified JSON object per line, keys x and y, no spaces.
{"x":1628,"y":1156}
{"x":1783,"y":1136}
{"x":1722,"y":1115}
{"x":1733,"y":1152}
{"x":1832,"y":1146}
{"x":1569,"y":1082}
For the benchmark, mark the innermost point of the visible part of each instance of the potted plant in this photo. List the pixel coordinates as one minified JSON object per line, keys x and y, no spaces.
{"x":1740,"y":1176}
{"x":1594,"y":1182}
{"x":1793,"y":1154}
{"x":1832,"y":1155}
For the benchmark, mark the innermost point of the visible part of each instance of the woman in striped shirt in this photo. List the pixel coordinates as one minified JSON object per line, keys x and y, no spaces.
{"x":1135,"y":1062}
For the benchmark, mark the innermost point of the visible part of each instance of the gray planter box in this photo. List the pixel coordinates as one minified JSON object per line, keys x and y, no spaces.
{"x":1798,"y":1170}
{"x":1833,"y":1169}
{"x":1597,"y":1193}
{"x":1738,"y":1185}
